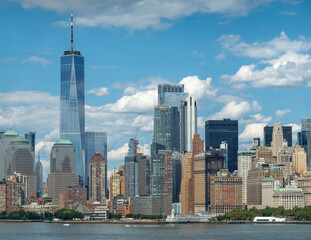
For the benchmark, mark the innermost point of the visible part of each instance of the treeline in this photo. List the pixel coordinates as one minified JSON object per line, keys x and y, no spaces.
{"x":298,"y":214}
{"x":64,"y":214}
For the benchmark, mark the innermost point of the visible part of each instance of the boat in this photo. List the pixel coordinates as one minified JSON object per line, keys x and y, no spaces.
{"x":66,"y":225}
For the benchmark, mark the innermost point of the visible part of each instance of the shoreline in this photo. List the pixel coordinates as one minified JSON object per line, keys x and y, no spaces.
{"x":140,"y":222}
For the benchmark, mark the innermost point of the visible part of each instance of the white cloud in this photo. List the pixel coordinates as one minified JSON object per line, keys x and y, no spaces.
{"x":236,"y":110}
{"x":284,"y":62}
{"x":281,"y":113}
{"x":220,"y":56}
{"x":198,"y":88}
{"x":42,"y":61}
{"x":273,"y":48}
{"x":139,"y":14}
{"x":118,"y":154}
{"x":251,"y":131}
{"x":27,"y":97}
{"x":198,"y":54}
{"x":99,"y":91}
{"x":11,"y":59}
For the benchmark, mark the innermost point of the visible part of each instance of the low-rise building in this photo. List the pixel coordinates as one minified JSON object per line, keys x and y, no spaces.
{"x":150,"y":205}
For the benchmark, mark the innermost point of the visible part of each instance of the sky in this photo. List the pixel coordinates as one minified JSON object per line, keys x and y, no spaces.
{"x":240,"y":59}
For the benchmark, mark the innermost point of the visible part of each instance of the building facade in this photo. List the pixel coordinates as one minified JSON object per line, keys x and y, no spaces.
{"x":63,"y":154}
{"x":72,"y":103}
{"x":98,"y":179}
{"x":268,"y":132}
{"x":217,"y":131}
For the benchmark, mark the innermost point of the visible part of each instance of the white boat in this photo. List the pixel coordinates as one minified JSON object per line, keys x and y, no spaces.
{"x":66,"y":225}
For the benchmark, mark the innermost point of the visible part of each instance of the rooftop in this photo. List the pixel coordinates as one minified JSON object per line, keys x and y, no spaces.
{"x":10,"y":132}
{"x":20,"y":139}
{"x":64,"y":142}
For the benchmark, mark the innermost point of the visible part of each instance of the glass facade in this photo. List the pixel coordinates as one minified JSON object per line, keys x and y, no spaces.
{"x":173,"y":93}
{"x":95,"y":142}
{"x":131,"y":170}
{"x":166,"y":133}
{"x":217,"y":131}
{"x":72,"y":112}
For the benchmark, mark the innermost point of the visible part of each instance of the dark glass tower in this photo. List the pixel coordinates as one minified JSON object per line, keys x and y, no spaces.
{"x":95,"y":142}
{"x":72,"y":113}
{"x":217,"y":131}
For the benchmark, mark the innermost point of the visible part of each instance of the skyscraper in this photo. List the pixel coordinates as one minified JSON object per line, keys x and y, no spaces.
{"x":131,"y":170}
{"x":166,"y":129}
{"x":95,"y":142}
{"x":188,"y":123}
{"x":217,"y":131}
{"x":63,"y":156}
{"x":304,"y":137}
{"x":277,"y":139}
{"x":72,"y":104}
{"x":98,"y":179}
{"x":39,"y":176}
{"x":171,"y":94}
{"x":287,"y":135}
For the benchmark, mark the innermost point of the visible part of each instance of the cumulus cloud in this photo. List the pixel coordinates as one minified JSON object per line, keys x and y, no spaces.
{"x":251,"y":131}
{"x":43,"y":61}
{"x":138,"y":14}
{"x":236,"y":110}
{"x":284,"y":63}
{"x":198,"y":88}
{"x":99,"y":91}
{"x":273,"y":48}
{"x":118,"y":154}
{"x":281,"y":113}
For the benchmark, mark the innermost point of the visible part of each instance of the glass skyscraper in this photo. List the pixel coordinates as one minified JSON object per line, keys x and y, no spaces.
{"x":95,"y":142}
{"x":72,"y":112}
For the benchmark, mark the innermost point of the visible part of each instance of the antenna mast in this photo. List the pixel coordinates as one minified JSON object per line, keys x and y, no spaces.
{"x":71,"y":31}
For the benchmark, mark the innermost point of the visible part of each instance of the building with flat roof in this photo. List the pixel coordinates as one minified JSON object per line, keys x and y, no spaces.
{"x":288,"y":197}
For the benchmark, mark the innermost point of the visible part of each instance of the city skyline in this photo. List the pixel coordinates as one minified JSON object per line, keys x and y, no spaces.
{"x":224,"y":68}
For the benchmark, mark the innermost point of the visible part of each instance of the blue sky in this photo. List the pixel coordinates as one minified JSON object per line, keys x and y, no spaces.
{"x":242,"y":59}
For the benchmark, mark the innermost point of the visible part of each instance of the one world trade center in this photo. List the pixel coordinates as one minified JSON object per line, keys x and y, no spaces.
{"x":72,"y":110}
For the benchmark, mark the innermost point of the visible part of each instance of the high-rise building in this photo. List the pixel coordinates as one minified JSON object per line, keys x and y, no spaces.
{"x":299,"y":160}
{"x":72,"y":196}
{"x":304,"y":182}
{"x":98,"y":179}
{"x":304,"y":137}
{"x":254,"y":186}
{"x":265,"y":154}
{"x":163,"y":178}
{"x":277,"y":139}
{"x":114,"y":186}
{"x":177,"y":175}
{"x":72,"y":103}
{"x":144,"y":176}
{"x":63,"y":154}
{"x":131,"y":169}
{"x":187,"y":185}
{"x":226,"y":192}
{"x":205,"y":165}
{"x":31,"y":138}
{"x":197,"y":144}
{"x":217,"y":131}
{"x":39,"y":176}
{"x":188,"y":123}
{"x":5,"y":140}
{"x":166,"y":133}
{"x":171,"y":94}
{"x":245,"y":158}
{"x":267,"y":192}
{"x":95,"y":142}
{"x":287,"y":135}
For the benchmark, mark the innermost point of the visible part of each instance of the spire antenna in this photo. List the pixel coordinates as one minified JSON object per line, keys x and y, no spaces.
{"x":71,"y":31}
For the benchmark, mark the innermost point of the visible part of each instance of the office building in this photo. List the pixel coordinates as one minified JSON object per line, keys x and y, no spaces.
{"x":176,"y":175}
{"x":98,"y":191}
{"x":148,"y":205}
{"x":264,"y":154}
{"x":63,"y":152}
{"x":254,"y":186}
{"x":31,"y":138}
{"x":267,"y":191}
{"x":287,"y":135}
{"x":288,"y":197}
{"x":217,"y":131}
{"x":245,"y":160}
{"x":205,"y":165}
{"x":39,"y":176}
{"x":225,"y":192}
{"x":277,"y":139}
{"x":72,"y":103}
{"x":304,"y":182}
{"x":131,"y":169}
{"x":95,"y":142}
{"x":166,"y":133}
{"x":188,"y":123}
{"x":304,"y":137}
{"x":171,"y":94}
{"x":115,"y":185}
{"x":187,"y":185}
{"x":144,"y":176}
{"x":197,"y":144}
{"x":299,"y":160}
{"x":5,"y":140}
{"x":72,"y":197}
